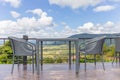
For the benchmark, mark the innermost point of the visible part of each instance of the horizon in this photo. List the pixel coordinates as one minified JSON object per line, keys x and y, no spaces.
{"x":58,"y":18}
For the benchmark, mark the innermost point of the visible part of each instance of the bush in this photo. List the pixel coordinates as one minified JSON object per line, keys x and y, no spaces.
{"x":59,"y":60}
{"x":48,"y":60}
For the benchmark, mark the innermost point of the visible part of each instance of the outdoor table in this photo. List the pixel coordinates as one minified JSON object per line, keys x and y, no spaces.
{"x":39,"y":51}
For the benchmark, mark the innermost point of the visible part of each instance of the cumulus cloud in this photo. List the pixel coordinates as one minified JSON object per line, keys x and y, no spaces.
{"x":15,"y":14}
{"x":25,"y":25}
{"x":115,"y":0}
{"x":91,"y":28}
{"x":13,"y":3}
{"x":32,"y":26}
{"x":104,"y":8}
{"x":42,"y":26}
{"x":75,"y":4}
{"x":108,"y":27}
{"x":87,"y":27}
{"x":35,"y":11}
{"x":44,"y":18}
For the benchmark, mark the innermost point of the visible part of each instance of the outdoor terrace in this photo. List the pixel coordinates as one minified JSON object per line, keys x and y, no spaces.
{"x":61,"y":72}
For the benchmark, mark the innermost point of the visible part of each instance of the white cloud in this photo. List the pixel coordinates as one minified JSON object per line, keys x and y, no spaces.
{"x":109,"y":24}
{"x":63,"y":23}
{"x":36,"y":11}
{"x":104,"y":8}
{"x":89,"y":27}
{"x":75,"y":4}
{"x":108,"y":27}
{"x":13,"y":3}
{"x":31,"y":26}
{"x":44,"y":18}
{"x":115,"y":0}
{"x":15,"y":14}
{"x":42,"y":26}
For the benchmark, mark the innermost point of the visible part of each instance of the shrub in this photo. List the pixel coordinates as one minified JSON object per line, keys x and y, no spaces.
{"x":48,"y":60}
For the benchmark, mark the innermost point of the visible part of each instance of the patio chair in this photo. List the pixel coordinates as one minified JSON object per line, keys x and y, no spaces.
{"x":21,"y":47}
{"x":117,"y":50}
{"x":93,"y":47}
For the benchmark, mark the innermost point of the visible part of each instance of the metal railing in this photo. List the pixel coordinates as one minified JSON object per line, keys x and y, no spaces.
{"x":53,"y":51}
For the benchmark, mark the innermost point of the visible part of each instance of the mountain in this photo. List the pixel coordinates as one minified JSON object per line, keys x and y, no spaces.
{"x":86,"y":35}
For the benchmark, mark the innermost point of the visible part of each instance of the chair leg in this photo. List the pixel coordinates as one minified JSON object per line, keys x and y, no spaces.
{"x":85,"y":62}
{"x":33,"y":63}
{"x":119,"y":57}
{"x":18,"y":61}
{"x":102,"y":62}
{"x":79,"y":59}
{"x":114,"y":58}
{"x":12,"y":65}
{"x":95,"y":59}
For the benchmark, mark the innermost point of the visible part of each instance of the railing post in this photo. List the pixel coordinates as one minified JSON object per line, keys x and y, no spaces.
{"x":4,"y":40}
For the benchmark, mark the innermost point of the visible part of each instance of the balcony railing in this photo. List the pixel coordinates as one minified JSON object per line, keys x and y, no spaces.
{"x":53,"y":51}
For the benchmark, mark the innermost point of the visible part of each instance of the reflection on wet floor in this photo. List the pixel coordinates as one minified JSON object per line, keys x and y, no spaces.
{"x":61,"y":72}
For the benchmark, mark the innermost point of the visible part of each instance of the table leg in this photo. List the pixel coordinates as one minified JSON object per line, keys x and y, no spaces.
{"x":69,"y":54}
{"x":41,"y":49}
{"x":37,"y":56}
{"x":77,"y":57}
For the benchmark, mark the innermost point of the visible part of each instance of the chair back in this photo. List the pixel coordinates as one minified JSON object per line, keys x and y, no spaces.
{"x":96,"y":45}
{"x":18,"y":46}
{"x":117,"y":44}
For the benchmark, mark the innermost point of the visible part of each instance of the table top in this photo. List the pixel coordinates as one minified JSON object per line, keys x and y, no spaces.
{"x":57,"y":39}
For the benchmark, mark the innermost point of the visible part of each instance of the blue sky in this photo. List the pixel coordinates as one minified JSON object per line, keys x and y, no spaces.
{"x":58,"y":18}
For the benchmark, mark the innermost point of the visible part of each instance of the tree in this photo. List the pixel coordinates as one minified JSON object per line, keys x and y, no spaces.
{"x":6,"y":53}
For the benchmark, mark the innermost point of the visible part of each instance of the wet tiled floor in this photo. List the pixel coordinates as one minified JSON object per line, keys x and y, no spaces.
{"x":61,"y":72}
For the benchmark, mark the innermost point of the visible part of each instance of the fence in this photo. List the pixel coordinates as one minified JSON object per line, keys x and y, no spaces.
{"x":53,"y":51}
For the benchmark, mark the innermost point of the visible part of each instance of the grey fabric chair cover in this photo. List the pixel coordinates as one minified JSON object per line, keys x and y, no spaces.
{"x":21,"y":47}
{"x":93,"y":47}
{"x":117,"y":49}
